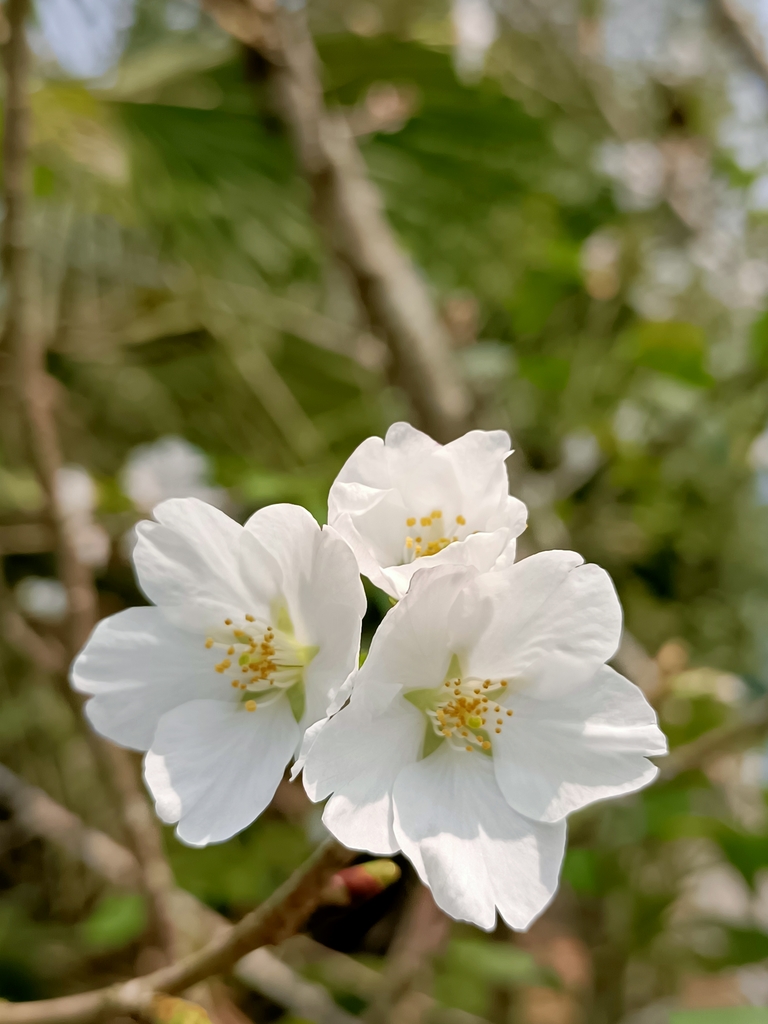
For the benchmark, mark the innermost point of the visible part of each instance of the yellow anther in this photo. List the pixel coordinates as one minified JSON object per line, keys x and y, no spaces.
{"x":209,"y":643}
{"x":249,"y":618}
{"x":446,"y":732}
{"x":243,"y":686}
{"x":250,"y":705}
{"x":457,"y":692}
{"x":410,"y":521}
{"x":469,"y":749}
{"x":230,"y":650}
{"x":498,"y":730}
{"x":437,"y":514}
{"x":461,"y":520}
{"x":486,"y":684}
{"x":476,"y":691}
{"x":426,"y":521}
{"x":244,"y":668}
{"x":418,"y":540}
{"x":227,"y":622}
{"x":235,"y":683}
{"x":510,"y":713}
{"x":487,"y":745}
{"x":418,"y":549}
{"x":499,"y":721}
{"x":409,"y":542}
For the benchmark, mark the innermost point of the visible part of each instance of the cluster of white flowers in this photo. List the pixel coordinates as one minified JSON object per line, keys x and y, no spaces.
{"x":482,"y":716}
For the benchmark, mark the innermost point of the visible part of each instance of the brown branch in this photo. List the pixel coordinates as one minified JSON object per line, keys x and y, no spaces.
{"x":747,"y":32}
{"x":37,"y":814}
{"x":349,"y":209}
{"x":275,"y":920}
{"x":264,"y":972}
{"x":24,"y":341}
{"x":346,"y":974}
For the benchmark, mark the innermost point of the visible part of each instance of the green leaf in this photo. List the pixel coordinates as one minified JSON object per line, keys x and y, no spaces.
{"x":496,"y":963}
{"x":672,"y":347}
{"x":548,"y":373}
{"x":115,"y":922}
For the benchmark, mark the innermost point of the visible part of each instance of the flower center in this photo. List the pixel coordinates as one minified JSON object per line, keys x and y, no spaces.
{"x":261,"y":661}
{"x":428,"y":535}
{"x":464,"y":712}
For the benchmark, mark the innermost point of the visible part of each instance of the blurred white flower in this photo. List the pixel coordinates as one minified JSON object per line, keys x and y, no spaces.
{"x":256,"y":629}
{"x":77,"y":497}
{"x":169,"y":468}
{"x":638,"y":169}
{"x":474,"y":23}
{"x":42,"y":598}
{"x":406,"y":503}
{"x":85,"y":36}
{"x":482,"y":716}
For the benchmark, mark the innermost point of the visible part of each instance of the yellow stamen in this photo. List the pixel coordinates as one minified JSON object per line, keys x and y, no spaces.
{"x":437,"y":514}
{"x":461,"y":520}
{"x":409,"y":542}
{"x":250,"y":705}
{"x":249,"y":618}
{"x":410,"y":521}
{"x":426,"y":521}
{"x":227,"y":622}
{"x":209,"y":643}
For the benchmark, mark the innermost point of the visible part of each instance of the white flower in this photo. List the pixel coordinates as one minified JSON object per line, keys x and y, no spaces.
{"x":483,"y":715}
{"x":255,"y":630}
{"x":407,"y":503}
{"x":169,"y":468}
{"x":77,"y":499}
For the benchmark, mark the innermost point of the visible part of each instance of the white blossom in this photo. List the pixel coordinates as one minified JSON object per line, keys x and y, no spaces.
{"x":170,"y":467}
{"x":483,"y":715}
{"x":406,"y":503}
{"x":255,"y":630}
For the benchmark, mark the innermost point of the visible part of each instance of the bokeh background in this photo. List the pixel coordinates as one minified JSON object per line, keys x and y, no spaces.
{"x":583,"y":188}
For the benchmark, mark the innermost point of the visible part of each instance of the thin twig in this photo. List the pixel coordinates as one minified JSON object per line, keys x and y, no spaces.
{"x":422,"y":933}
{"x":38,"y":815}
{"x":750,"y":728}
{"x":264,"y":972}
{"x":349,"y":209}
{"x":275,"y":920}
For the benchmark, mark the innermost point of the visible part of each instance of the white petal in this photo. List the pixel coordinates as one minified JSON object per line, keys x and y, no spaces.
{"x":555,"y":756}
{"x":478,"y":459}
{"x":412,"y":648}
{"x":480,"y":550}
{"x":376,"y":533}
{"x":138,"y":666}
{"x":278,"y":552}
{"x":189,"y":556}
{"x":357,"y":756}
{"x":552,"y":623}
{"x":332,"y":604}
{"x":214,"y":767}
{"x":469,"y":846}
{"x":410,"y":442}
